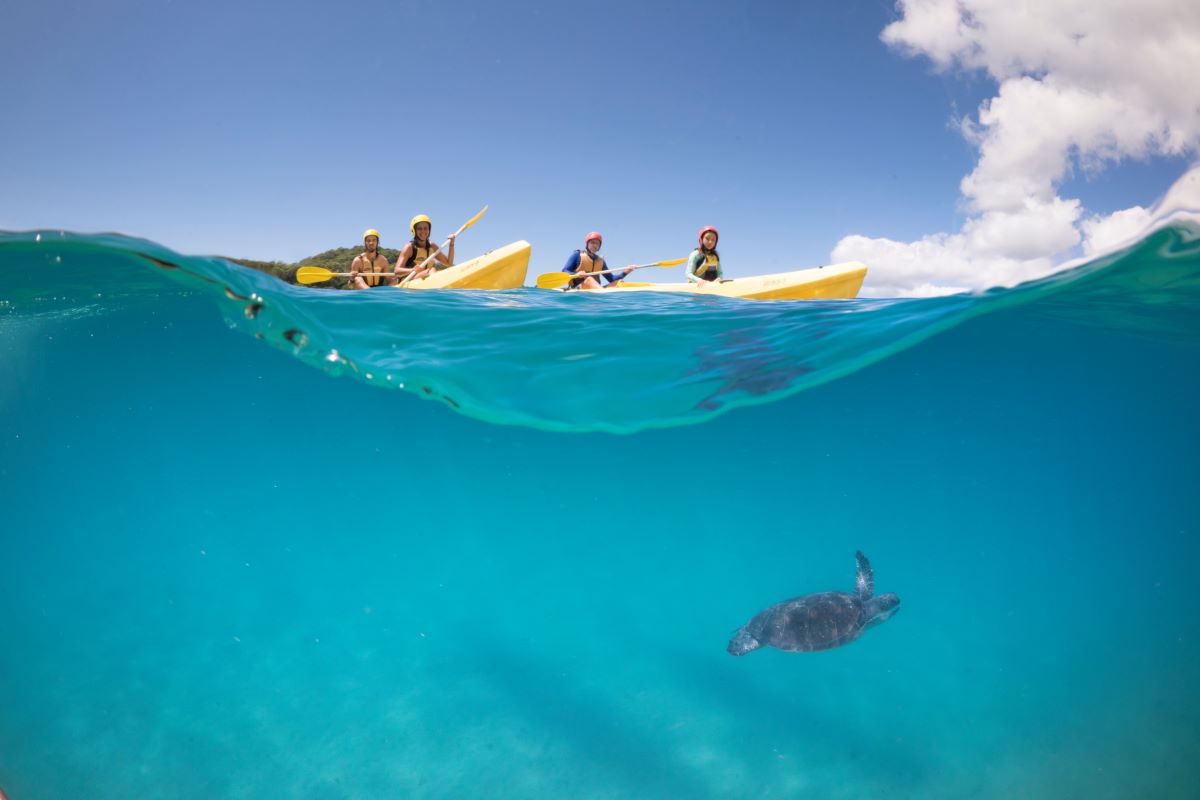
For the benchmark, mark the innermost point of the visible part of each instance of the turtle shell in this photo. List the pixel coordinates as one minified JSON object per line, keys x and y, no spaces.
{"x":814,"y":622}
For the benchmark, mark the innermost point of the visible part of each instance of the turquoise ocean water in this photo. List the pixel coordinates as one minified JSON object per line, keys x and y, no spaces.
{"x":267,"y":541}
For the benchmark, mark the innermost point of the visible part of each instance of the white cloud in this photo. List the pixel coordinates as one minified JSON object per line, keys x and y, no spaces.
{"x":1105,"y":233}
{"x":938,"y":264}
{"x":1031,"y":229}
{"x":1081,"y":85}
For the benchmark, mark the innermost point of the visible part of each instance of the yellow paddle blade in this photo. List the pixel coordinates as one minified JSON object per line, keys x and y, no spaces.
{"x":672,"y":263}
{"x":473,"y":220}
{"x":308,"y":275}
{"x":553,"y":280}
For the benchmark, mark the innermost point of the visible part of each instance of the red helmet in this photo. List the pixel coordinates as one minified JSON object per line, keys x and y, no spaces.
{"x":708,"y":229}
{"x":593,"y":235}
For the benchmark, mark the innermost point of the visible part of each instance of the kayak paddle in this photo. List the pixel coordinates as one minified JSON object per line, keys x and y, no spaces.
{"x":307,"y":275}
{"x":425,"y":263}
{"x":555,"y":280}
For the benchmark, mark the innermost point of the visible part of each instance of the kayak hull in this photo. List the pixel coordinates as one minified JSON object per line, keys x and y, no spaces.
{"x":832,"y":282}
{"x":502,"y":268}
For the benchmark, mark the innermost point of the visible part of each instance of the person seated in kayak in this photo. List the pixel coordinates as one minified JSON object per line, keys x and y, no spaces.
{"x":704,"y":266}
{"x":366,"y":268}
{"x":589,"y":260}
{"x":416,"y":251}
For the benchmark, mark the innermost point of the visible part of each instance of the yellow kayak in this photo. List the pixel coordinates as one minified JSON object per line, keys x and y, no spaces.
{"x":832,"y":282}
{"x":503,"y":268}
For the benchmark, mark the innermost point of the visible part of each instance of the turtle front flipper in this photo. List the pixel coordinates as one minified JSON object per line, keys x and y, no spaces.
{"x":864,"y":583}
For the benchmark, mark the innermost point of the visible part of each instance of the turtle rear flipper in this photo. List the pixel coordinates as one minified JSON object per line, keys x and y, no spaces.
{"x":864,"y":583}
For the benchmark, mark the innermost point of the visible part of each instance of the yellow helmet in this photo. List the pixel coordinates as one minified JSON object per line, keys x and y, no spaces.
{"x":412,"y":226}
{"x":370,"y":232}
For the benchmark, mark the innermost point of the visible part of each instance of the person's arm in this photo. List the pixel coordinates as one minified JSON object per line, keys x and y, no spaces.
{"x":385,"y":266}
{"x":693,"y":262}
{"x":572,"y":264}
{"x":439,"y":257}
{"x":446,"y":256}
{"x":356,"y":281}
{"x":405,"y":254}
{"x":571,"y":267}
{"x":613,"y":277}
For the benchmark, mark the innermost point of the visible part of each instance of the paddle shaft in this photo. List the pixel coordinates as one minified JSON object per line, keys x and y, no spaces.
{"x":627,"y":270}
{"x":675,"y":263}
{"x":554,"y":280}
{"x":309,"y":274}
{"x":575,"y":275}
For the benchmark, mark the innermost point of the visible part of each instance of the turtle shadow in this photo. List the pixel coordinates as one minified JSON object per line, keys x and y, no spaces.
{"x":624,"y":755}
{"x":745,"y":362}
{"x":798,"y":726}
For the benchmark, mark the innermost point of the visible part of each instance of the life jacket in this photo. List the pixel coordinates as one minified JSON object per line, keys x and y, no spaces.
{"x":707,"y":270}
{"x":419,"y":254}
{"x":589,"y":264}
{"x":370,"y":279}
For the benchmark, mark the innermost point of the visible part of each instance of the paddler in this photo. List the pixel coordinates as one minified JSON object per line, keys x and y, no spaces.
{"x":417,"y":250}
{"x":369,"y":261}
{"x":704,"y":266}
{"x":589,"y":260}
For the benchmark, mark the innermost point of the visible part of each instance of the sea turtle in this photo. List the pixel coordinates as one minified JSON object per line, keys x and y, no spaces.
{"x":818,"y":621}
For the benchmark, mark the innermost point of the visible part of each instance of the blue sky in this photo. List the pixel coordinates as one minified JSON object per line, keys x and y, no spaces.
{"x":276,"y":130}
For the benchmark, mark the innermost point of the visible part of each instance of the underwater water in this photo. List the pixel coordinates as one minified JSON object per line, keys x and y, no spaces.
{"x":266,"y":541}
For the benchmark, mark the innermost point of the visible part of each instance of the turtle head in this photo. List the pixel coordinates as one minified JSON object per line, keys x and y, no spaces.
{"x":742,"y":643}
{"x":882,"y":608}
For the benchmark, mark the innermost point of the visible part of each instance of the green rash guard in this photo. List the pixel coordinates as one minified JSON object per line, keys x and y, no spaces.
{"x":696,"y":262}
